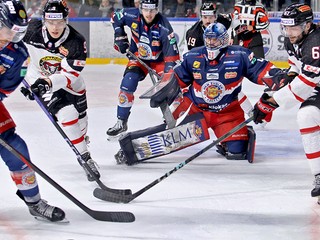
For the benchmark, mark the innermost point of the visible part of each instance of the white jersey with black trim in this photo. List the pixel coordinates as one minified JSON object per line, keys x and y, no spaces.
{"x":61,"y":60}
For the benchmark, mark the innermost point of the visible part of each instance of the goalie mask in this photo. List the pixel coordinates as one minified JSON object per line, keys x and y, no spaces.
{"x":294,"y":20}
{"x":215,"y":38}
{"x":13,"y":21}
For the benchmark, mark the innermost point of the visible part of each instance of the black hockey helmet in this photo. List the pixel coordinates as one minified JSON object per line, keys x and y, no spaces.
{"x":296,"y":14}
{"x":208,"y":9}
{"x":13,"y":16}
{"x":250,"y":2}
{"x":55,"y":9}
{"x":149,"y":4}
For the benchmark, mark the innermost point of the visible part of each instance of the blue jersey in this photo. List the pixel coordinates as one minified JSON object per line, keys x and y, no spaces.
{"x":214,"y":85}
{"x":154,"y":43}
{"x":13,"y":60}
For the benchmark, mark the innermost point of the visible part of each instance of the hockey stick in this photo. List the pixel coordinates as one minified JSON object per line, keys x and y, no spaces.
{"x":98,"y":215}
{"x":75,"y":150}
{"x":111,"y":197}
{"x":171,"y":122}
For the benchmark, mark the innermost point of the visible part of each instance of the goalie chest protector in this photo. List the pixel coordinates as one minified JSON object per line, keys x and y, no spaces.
{"x":157,"y":141}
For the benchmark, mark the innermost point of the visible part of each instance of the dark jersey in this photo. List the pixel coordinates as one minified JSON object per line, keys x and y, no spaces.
{"x":194,"y":35}
{"x":61,"y":59}
{"x":153,"y":44}
{"x":13,"y":67}
{"x":304,"y":59}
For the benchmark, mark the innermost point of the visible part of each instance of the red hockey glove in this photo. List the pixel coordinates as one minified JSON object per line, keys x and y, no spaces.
{"x":263,"y":109}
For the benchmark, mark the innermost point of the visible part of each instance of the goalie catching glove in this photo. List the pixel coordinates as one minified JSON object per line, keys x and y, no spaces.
{"x":263,"y":109}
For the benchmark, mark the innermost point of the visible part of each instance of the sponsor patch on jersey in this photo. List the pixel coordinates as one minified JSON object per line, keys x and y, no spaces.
{"x":23,"y":72}
{"x":228,"y":62}
{"x":134,"y":26}
{"x":197,"y":75}
{"x":144,"y":39}
{"x":79,"y":63}
{"x":3,"y":70}
{"x":229,"y":75}
{"x":212,"y":91}
{"x":196,"y":64}
{"x":155,"y":43}
{"x":312,"y":69}
{"x":211,"y":76}
{"x":63,"y":51}
{"x":171,"y":35}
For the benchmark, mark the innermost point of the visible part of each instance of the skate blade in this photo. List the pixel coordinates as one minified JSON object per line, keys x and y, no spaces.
{"x":115,"y":138}
{"x":41,"y":219}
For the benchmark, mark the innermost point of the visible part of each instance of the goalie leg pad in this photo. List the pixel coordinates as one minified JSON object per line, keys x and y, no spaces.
{"x":153,"y":142}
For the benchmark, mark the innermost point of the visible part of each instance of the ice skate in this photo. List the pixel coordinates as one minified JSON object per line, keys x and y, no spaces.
{"x":316,"y":191}
{"x":92,"y":165}
{"x":43,"y":211}
{"x":117,"y":130}
{"x":120,"y":157}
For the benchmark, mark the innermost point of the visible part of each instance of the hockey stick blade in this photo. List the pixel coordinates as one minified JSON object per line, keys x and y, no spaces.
{"x":112,"y":197}
{"x":74,"y":149}
{"x":98,"y":215}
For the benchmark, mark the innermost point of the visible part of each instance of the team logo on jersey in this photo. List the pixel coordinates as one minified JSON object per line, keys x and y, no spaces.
{"x":212,"y":91}
{"x":229,"y":75}
{"x":196,"y":64}
{"x":155,"y":43}
{"x":144,"y":39}
{"x":63,"y":51}
{"x":50,"y":65}
{"x":145,"y":51}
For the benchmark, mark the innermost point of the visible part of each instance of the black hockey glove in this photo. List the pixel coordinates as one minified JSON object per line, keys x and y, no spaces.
{"x":121,"y":43}
{"x":263,"y":109}
{"x":40,"y":87}
{"x":27,"y":93}
{"x":278,"y":78}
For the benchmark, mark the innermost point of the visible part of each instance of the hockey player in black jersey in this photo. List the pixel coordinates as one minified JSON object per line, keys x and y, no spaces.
{"x":57,"y":56}
{"x":208,"y":14}
{"x":13,"y":58}
{"x":301,"y":85}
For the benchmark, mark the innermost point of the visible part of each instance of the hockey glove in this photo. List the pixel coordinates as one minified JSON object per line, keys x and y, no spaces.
{"x":263,"y":109}
{"x":40,"y":87}
{"x":121,"y":43}
{"x":27,"y":93}
{"x":278,"y":78}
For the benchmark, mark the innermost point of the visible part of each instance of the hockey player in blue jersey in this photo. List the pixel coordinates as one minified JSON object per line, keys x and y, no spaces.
{"x":153,"y":41}
{"x":13,"y":26}
{"x":212,"y":75}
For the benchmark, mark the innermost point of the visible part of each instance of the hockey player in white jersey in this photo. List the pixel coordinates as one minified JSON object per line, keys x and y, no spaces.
{"x":57,"y":57}
{"x":302,"y":79}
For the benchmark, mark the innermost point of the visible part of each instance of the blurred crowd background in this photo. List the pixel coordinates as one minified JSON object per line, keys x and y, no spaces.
{"x":169,"y":8}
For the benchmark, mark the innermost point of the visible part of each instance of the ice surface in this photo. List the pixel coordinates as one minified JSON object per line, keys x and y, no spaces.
{"x":210,"y":198}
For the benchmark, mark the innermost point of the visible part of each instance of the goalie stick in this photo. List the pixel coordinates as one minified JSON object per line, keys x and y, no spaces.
{"x":98,"y":215}
{"x":75,"y":150}
{"x":117,"y":198}
{"x":171,"y":122}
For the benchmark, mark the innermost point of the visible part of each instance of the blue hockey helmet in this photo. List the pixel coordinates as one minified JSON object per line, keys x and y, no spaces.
{"x":13,"y":20}
{"x":215,"y":38}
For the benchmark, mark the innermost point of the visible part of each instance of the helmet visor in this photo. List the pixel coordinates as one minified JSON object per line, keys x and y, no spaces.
{"x":15,"y":34}
{"x":292,"y":31}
